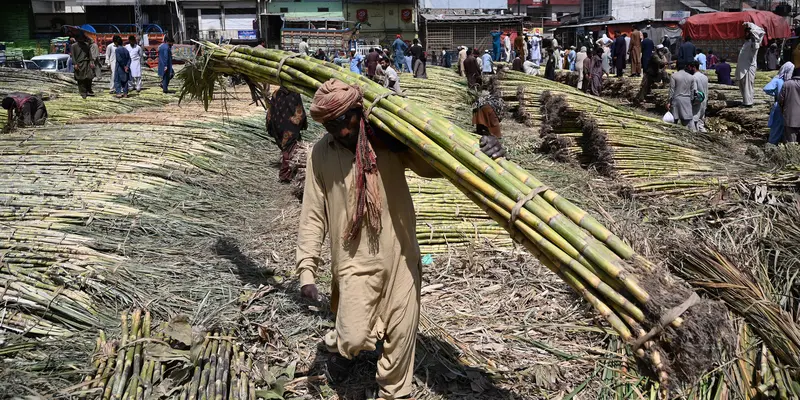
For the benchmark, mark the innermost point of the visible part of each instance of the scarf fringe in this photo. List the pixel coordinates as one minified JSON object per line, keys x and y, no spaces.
{"x":368,"y":200}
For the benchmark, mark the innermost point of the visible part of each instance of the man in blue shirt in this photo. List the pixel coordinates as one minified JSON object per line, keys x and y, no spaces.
{"x":496,"y":45}
{"x":486,"y":66}
{"x":356,"y":61}
{"x":701,"y":59}
{"x":399,"y":47}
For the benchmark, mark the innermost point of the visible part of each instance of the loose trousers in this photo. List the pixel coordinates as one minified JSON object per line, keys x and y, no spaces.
{"x":746,"y":87}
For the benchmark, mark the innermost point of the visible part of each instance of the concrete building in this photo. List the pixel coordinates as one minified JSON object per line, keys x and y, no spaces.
{"x":214,"y":20}
{"x":381,"y":20}
{"x":629,"y":10}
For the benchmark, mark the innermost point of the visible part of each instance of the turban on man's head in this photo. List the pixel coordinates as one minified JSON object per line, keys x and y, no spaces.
{"x":333,"y":99}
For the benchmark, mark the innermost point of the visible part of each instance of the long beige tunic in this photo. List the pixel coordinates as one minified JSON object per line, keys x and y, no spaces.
{"x":375,"y":293}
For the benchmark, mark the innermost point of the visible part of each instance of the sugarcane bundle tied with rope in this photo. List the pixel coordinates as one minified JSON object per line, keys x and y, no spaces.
{"x":650,"y":310}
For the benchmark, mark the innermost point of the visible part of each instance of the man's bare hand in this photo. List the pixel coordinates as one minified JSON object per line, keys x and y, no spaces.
{"x":309,"y":292}
{"x":491,"y":146}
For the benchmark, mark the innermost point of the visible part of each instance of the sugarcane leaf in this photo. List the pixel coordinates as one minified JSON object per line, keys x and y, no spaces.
{"x":290,"y":370}
{"x":180,"y":330}
{"x":268,"y":394}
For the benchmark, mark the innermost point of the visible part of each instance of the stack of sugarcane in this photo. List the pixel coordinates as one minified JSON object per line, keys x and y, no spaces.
{"x":142,"y":364}
{"x":63,"y":102}
{"x":595,"y":262}
{"x":447,"y":219}
{"x":714,"y":272}
{"x":654,"y":158}
{"x":70,"y":197}
{"x":445,"y":92}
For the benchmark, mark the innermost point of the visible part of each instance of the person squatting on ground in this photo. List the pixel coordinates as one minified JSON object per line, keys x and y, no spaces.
{"x":486,"y":112}
{"x":789,"y":101}
{"x":356,"y":194}
{"x":774,"y":87}
{"x":83,"y":64}
{"x":746,"y":65}
{"x":24,"y":110}
{"x":286,"y":118}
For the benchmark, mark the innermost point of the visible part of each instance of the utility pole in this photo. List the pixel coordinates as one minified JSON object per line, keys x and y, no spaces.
{"x":137,"y":15}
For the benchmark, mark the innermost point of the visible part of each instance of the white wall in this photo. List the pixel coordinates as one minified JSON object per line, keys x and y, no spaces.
{"x":627,"y":10}
{"x":443,"y":4}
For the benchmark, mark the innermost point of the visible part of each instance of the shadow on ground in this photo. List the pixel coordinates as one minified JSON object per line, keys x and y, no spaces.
{"x":437,"y":374}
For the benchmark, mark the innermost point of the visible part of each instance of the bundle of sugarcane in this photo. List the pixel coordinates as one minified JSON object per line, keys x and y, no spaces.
{"x":654,"y":158}
{"x":445,"y":93}
{"x":595,"y":262}
{"x":446,"y":219}
{"x":143,"y":361}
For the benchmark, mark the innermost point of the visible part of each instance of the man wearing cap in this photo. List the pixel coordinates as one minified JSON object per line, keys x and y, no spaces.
{"x":486,"y":63}
{"x":356,"y":194}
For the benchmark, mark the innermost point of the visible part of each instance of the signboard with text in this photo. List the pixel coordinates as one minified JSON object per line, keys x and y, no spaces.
{"x":248,"y":35}
{"x":676,"y":15}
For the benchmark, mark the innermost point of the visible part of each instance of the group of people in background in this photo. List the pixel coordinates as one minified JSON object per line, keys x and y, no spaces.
{"x":124,"y":61}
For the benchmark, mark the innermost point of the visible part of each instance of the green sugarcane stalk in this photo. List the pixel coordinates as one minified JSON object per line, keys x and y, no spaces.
{"x":123,"y":378}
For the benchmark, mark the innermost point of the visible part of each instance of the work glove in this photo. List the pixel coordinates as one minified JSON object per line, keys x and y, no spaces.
{"x":492,"y":147}
{"x":309,"y":292}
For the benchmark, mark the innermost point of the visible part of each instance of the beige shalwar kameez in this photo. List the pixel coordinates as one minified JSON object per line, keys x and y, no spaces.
{"x":375,"y":291}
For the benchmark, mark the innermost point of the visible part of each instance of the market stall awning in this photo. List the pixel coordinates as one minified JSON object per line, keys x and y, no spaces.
{"x":313,"y":16}
{"x":730,"y":25}
{"x":698,"y":6}
{"x":455,"y":18}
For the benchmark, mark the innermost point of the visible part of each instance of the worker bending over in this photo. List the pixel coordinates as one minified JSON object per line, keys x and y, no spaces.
{"x":356,"y":194}
{"x":24,"y":110}
{"x":286,"y":118}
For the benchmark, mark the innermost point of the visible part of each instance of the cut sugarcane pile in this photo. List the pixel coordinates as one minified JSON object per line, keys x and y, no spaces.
{"x":654,"y":158}
{"x":169,"y":360}
{"x":595,"y":262}
{"x":63,"y":101}
{"x":444,"y":92}
{"x":447,"y":219}
{"x":70,"y":198}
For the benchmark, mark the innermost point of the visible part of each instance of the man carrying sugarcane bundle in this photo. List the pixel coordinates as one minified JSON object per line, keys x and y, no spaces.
{"x":746,"y":65}
{"x":286,"y":118}
{"x":24,"y":110}
{"x":356,"y":193}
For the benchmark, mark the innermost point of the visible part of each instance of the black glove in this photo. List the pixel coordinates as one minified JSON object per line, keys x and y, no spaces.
{"x":492,"y":147}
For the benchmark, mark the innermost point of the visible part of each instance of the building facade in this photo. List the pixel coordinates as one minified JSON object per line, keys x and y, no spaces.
{"x":636,"y":10}
{"x":382,"y":20}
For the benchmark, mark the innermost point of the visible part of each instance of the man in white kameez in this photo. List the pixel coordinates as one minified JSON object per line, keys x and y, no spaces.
{"x":507,"y":46}
{"x":136,"y":54}
{"x":699,"y":104}
{"x":111,"y":61}
{"x":746,"y":65}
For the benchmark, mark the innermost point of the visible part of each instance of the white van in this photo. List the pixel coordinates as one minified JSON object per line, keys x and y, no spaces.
{"x":52,"y":62}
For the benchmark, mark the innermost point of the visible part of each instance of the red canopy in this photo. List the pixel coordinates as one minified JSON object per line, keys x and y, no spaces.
{"x":728,"y":25}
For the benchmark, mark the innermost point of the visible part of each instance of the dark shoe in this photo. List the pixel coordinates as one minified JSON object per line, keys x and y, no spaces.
{"x":83,"y":95}
{"x":91,"y":94}
{"x":338,"y":368}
